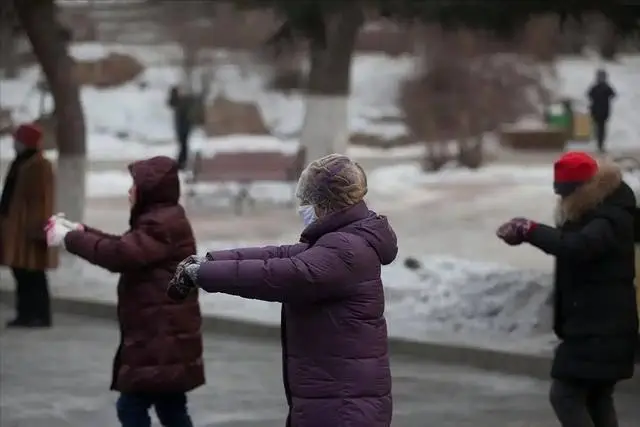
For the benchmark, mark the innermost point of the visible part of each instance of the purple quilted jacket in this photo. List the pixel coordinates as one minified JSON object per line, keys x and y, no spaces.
{"x":334,"y":334}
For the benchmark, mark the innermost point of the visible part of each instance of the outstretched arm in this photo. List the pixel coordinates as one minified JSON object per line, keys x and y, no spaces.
{"x":595,"y":239}
{"x":314,"y":274}
{"x":265,"y":252}
{"x":100,"y":233}
{"x":134,"y":250}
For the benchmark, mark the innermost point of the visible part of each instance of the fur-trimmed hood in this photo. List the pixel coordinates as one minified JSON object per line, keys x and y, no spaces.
{"x":607,"y":187}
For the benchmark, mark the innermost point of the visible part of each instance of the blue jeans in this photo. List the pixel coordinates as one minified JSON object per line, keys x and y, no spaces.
{"x":171,"y":409}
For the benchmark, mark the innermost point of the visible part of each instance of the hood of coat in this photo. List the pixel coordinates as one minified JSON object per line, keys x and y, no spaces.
{"x":157,"y":182}
{"x":360,"y":221}
{"x":377,"y":231}
{"x":605,"y":189}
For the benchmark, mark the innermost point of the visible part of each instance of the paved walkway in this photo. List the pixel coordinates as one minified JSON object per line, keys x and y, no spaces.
{"x":60,"y":378}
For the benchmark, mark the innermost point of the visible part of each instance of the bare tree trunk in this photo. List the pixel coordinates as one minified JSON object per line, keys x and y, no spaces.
{"x":325,"y":127}
{"x":38,"y":18}
{"x":609,"y":41}
{"x":8,"y":54}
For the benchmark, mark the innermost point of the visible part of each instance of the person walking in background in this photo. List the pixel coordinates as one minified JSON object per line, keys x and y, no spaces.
{"x":181,"y":104}
{"x":26,"y":203}
{"x":160,"y":354}
{"x":600,"y":95}
{"x":594,"y":293}
{"x":334,"y":333}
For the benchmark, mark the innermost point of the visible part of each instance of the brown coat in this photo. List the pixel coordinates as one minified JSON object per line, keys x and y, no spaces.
{"x":161,"y":343}
{"x":22,"y":239}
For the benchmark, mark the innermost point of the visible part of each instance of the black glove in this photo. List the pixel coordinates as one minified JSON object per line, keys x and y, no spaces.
{"x":182,"y":284}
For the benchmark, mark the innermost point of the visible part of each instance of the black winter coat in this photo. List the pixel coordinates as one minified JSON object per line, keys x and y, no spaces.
{"x":595,"y":304}
{"x":600,"y":96}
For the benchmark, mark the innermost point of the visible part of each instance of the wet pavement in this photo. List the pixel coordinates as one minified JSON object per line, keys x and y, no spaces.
{"x":60,"y":378}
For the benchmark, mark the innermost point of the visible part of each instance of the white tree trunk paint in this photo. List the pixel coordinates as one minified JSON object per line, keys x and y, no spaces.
{"x":70,"y":186}
{"x":325,"y":128}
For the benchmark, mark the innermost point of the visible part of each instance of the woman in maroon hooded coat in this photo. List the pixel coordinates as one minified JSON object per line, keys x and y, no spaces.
{"x":334,"y":334}
{"x":160,"y":354}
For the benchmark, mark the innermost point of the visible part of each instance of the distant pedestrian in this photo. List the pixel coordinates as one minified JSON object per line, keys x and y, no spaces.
{"x":594,"y":295}
{"x":334,"y":333}
{"x":600,"y":95}
{"x":182,"y":106}
{"x":27,"y":201}
{"x":160,"y":354}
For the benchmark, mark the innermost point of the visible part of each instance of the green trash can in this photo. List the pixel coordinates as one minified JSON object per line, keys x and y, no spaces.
{"x":560,"y":116}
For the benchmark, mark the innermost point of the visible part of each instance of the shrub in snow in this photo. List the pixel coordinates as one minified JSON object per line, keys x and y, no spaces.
{"x":461,"y":74}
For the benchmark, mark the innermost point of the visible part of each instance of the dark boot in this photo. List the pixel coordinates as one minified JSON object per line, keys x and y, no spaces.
{"x":17,"y":323}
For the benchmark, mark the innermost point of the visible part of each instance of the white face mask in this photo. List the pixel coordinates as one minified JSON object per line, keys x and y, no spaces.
{"x":308,"y":214}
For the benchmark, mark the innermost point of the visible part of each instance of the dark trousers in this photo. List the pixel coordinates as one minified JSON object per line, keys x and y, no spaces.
{"x":32,"y":296}
{"x":171,"y":409}
{"x":183,"y":148}
{"x":600,"y":132}
{"x":584,"y":403}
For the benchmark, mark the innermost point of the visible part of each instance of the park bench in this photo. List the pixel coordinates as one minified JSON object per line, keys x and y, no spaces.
{"x":241,"y":170}
{"x":547,"y":139}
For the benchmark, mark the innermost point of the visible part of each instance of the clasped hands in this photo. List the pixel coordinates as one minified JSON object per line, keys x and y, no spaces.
{"x":57,"y":227}
{"x":515,"y":231}
{"x":185,"y":279}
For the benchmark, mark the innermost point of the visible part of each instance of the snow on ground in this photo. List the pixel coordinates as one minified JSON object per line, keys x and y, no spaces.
{"x":460,"y":295}
{"x":405,"y":176}
{"x":139,"y":108}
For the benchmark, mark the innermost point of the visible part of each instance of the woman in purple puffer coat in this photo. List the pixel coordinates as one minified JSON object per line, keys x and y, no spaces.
{"x":334,"y":334}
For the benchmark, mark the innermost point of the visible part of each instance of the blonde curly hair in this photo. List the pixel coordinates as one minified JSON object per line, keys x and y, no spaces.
{"x":332,"y":183}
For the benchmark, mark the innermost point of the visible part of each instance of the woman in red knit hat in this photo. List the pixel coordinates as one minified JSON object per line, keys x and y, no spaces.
{"x":26,"y":204}
{"x":594,"y":294}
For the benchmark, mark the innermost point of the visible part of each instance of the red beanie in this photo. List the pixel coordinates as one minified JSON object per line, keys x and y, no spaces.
{"x":574,"y":167}
{"x":29,"y":135}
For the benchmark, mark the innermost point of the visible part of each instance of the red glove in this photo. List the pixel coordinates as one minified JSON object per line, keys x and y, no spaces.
{"x":515,"y":231}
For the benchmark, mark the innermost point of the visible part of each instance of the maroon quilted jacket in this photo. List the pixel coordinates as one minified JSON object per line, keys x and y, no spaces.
{"x":161,"y":343}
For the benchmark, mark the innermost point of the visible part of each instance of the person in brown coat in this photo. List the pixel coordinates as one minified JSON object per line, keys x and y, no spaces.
{"x":160,"y":354}
{"x":26,"y":203}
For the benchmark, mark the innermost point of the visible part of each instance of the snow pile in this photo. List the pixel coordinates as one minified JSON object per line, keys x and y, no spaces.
{"x":452,"y":294}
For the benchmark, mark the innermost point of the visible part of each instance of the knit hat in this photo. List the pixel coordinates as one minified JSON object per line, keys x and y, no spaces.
{"x":572,"y":170}
{"x":29,"y":135}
